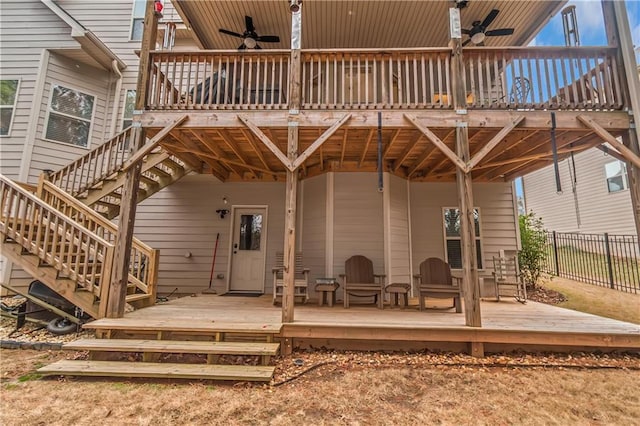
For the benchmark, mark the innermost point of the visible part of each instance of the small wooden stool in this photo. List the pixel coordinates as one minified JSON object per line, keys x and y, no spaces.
{"x":326,"y":291}
{"x":396,"y":289}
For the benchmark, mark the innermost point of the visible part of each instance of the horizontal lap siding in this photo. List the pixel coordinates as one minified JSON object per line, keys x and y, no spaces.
{"x":26,"y":28}
{"x":400,"y":270}
{"x":497,"y":218}
{"x":181,"y":219}
{"x":599,"y":210}
{"x":314,"y":236}
{"x":358,"y":220}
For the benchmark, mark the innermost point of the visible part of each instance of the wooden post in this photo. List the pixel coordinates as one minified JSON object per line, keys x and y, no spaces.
{"x":470,"y":282}
{"x":288,"y":298}
{"x":619,"y":35}
{"x":121,"y":259}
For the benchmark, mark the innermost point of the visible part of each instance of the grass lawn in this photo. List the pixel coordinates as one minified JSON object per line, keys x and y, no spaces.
{"x":597,"y":300}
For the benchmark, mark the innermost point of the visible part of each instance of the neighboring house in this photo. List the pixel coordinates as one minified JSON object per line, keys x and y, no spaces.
{"x":223,"y":114}
{"x":595,"y":197}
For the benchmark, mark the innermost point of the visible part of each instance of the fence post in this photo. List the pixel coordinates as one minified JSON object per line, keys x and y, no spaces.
{"x":609,"y":265}
{"x":555,"y":253}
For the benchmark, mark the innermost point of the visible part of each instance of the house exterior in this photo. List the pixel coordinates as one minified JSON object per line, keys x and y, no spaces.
{"x":334,"y":143}
{"x":597,"y":201}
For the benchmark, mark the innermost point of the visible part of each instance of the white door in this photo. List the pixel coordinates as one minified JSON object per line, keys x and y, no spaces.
{"x":248,"y":250}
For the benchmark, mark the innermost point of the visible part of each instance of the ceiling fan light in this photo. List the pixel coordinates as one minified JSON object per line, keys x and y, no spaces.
{"x":250,"y":43}
{"x":478,"y":37}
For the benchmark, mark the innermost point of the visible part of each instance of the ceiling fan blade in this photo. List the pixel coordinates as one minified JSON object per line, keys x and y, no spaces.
{"x":231,"y":33}
{"x":248,"y":20}
{"x":269,"y":39}
{"x":466,"y":31}
{"x":499,"y":32}
{"x":490,"y":17}
{"x":257,"y":47}
{"x":242,"y":46}
{"x":466,"y":42}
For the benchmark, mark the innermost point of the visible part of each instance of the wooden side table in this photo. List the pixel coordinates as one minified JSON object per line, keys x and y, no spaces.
{"x":396,"y":289}
{"x":326,"y":289}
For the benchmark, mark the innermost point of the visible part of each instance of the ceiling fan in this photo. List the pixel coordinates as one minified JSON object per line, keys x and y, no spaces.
{"x":249,"y":37}
{"x":478,"y":31}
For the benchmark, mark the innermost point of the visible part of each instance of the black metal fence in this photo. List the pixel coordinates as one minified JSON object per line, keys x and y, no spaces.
{"x":602,"y":259}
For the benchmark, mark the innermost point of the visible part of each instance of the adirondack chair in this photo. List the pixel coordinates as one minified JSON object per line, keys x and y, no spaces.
{"x":435,"y":280}
{"x":301,"y":282}
{"x":360,"y":281}
{"x":508,"y":280}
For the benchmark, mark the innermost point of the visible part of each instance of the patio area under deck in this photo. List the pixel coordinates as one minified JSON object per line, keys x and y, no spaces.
{"x":507,"y":325}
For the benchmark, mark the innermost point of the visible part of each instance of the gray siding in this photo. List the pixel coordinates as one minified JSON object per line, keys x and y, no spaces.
{"x":497,"y":221}
{"x":599,"y":210}
{"x":181,"y":219}
{"x":314,"y":237}
{"x":358,"y":220}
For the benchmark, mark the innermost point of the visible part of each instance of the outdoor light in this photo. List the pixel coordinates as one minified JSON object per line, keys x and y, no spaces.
{"x":249,"y":42}
{"x":158,"y":6}
{"x":294,"y":5}
{"x":477,"y":38}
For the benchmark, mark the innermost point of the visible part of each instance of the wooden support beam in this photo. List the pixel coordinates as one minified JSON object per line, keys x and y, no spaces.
{"x":119,"y":275}
{"x":392,"y":141}
{"x":256,"y":149}
{"x":266,"y":141}
{"x":215,"y":149}
{"x":412,"y":169}
{"x":627,"y":153}
{"x":437,"y":142}
{"x":321,"y":140}
{"x":344,"y":147}
{"x":224,"y":135}
{"x":153,"y":143}
{"x":612,"y":152}
{"x":486,"y":149}
{"x":407,"y":150}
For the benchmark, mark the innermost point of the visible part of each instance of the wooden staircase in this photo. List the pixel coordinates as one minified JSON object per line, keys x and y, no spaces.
{"x":69,"y":247}
{"x":97,"y":178}
{"x":162,"y":339}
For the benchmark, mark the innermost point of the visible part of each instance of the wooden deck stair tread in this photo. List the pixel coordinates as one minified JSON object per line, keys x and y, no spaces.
{"x":173,"y":346}
{"x":159,"y":370}
{"x":145,"y":324}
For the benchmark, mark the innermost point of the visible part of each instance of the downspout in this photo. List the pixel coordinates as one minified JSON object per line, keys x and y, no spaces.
{"x":116,"y":98}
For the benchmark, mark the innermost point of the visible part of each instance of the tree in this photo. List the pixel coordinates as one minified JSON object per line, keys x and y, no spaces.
{"x":534,"y":242}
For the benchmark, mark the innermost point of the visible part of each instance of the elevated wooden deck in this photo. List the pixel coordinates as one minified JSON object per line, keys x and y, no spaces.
{"x":506,"y":325}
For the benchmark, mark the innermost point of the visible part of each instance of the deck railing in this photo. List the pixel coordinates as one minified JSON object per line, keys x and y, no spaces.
{"x":57,"y":239}
{"x":95,"y":166}
{"x":505,"y":78}
{"x":143,"y":272}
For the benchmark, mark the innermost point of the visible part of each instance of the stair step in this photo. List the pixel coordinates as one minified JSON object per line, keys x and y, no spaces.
{"x":159,"y":172}
{"x":159,"y":370}
{"x":173,"y":346}
{"x":170,"y":325}
{"x":136,"y":297}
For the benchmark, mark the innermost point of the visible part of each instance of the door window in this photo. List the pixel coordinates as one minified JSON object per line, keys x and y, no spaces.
{"x":250,"y":231}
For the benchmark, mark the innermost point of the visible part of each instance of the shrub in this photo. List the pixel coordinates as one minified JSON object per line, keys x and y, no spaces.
{"x":533,"y":250}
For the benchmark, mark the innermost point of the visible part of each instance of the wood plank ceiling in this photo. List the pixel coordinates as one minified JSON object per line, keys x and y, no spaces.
{"x":361,"y":23}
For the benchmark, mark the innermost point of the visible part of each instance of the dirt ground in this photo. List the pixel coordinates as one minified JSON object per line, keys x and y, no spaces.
{"x":345,"y":388}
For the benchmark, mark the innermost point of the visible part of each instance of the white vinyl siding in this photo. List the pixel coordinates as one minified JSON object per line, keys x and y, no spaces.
{"x":181,"y":219}
{"x":314,"y":227}
{"x":497,"y":225}
{"x":597,"y":209}
{"x":8,"y":98}
{"x":399,"y":269}
{"x":358,"y":220}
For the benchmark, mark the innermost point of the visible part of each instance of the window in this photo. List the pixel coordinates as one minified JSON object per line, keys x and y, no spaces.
{"x":616,"y":173}
{"x":8,"y":97}
{"x":70,"y":113}
{"x":129,"y":105}
{"x":250,"y":231}
{"x":137,"y":19}
{"x":452,"y":237}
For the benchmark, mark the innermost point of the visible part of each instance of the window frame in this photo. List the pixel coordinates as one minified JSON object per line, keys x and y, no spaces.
{"x":625,"y":176}
{"x":446,"y":238}
{"x":13,"y":107}
{"x":124,"y":108}
{"x":134,"y":17}
{"x":50,"y":110}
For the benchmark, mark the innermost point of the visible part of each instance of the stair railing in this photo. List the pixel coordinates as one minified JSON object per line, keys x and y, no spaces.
{"x":56,"y":239}
{"x":97,"y":165}
{"x":143,"y":267}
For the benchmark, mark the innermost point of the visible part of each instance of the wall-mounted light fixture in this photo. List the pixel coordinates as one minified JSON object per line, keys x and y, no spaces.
{"x":294,"y":5}
{"x":222,"y":212}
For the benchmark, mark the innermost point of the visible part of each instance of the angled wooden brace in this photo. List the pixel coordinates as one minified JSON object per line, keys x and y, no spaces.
{"x":438,"y":143}
{"x":267,"y":142}
{"x":318,"y":142}
{"x":608,"y":137}
{"x":493,"y":143}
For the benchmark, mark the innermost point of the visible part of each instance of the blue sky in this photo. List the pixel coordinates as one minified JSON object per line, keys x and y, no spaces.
{"x":590,"y":25}
{"x":590,"y":28}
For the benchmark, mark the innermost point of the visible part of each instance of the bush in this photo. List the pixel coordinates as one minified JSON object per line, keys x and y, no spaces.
{"x":534,"y":243}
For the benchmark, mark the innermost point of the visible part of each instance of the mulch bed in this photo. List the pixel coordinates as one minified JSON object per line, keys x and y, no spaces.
{"x":545,"y":295}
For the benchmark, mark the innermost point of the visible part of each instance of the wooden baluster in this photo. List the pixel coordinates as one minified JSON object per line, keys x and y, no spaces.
{"x":448,"y":84}
{"x":334,"y":100}
{"x":242,"y":67}
{"x":320,"y":82}
{"x":432,"y":87}
{"x":274,"y":88}
{"x":619,"y":98}
{"x":480,"y":82}
{"x":539,"y":82}
{"x":597,"y":78}
{"x":442,"y":94}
